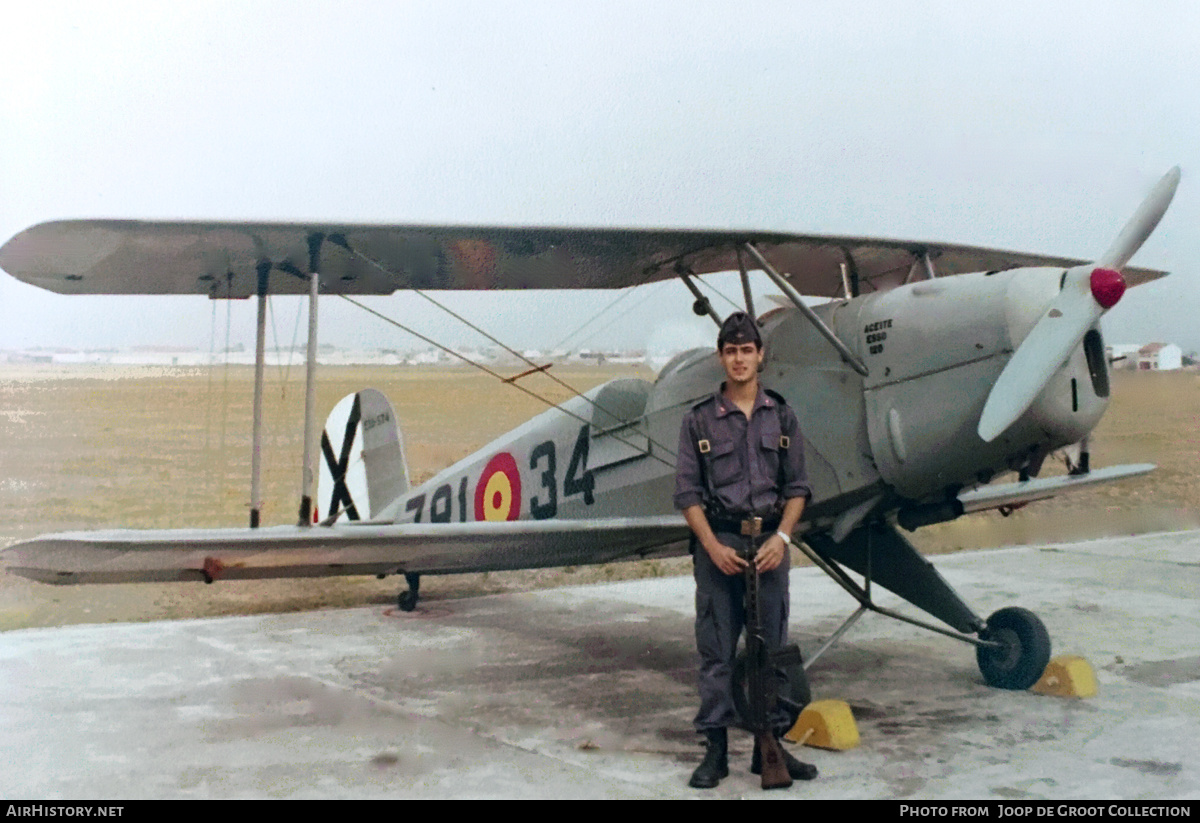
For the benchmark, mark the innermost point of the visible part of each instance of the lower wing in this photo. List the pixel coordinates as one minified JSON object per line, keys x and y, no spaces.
{"x":128,"y":556}
{"x":1015,"y":495}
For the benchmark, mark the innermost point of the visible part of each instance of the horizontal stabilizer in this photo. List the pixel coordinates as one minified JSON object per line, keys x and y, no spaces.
{"x":129,"y":556}
{"x":1015,"y":494}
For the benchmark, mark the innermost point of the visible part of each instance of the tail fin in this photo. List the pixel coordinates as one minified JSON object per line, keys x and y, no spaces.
{"x":363,"y":462}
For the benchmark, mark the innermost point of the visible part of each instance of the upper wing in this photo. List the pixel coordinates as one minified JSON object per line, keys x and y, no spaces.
{"x":128,"y":556}
{"x":221,"y":259}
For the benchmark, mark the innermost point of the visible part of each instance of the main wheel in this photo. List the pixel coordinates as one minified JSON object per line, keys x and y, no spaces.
{"x":794,"y":699}
{"x":1022,"y":658}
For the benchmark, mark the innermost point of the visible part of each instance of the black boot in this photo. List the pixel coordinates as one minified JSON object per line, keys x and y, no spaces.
{"x":716,"y":761}
{"x":797,"y":769}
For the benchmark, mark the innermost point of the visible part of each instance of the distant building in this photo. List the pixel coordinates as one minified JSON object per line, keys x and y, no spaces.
{"x":429,"y":357}
{"x":1159,"y":357}
{"x":587,"y":356}
{"x":1148,"y":357}
{"x":1123,"y":355}
{"x":30,"y":357}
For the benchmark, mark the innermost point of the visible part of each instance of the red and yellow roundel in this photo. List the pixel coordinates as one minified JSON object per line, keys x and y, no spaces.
{"x":498,"y":493}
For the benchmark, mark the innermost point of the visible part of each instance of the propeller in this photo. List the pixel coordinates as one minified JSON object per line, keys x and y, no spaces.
{"x":1087,"y":292}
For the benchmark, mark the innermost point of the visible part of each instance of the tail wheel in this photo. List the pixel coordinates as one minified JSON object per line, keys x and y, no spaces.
{"x":1024,"y":650}
{"x":407,"y":601}
{"x":793,"y":699}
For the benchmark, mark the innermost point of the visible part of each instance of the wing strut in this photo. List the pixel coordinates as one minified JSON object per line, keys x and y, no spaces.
{"x":924,"y":263}
{"x":260,"y":349}
{"x":851,"y":269}
{"x":817,"y":322}
{"x":310,"y":381}
{"x":746,"y":285}
{"x":702,"y":305}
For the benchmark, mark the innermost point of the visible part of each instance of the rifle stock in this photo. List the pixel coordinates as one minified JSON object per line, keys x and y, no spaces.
{"x":762,"y":685}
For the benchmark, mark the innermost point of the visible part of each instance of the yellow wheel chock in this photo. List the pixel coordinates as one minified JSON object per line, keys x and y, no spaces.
{"x":1067,"y":676}
{"x":827,"y":724}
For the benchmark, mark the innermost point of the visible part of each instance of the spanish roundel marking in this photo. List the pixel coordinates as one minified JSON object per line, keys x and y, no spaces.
{"x":498,"y":493}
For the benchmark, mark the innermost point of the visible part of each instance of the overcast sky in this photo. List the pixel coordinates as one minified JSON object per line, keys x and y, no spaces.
{"x":1031,"y":126}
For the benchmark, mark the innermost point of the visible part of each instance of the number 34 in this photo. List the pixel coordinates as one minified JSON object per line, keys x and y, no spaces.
{"x":578,"y":480}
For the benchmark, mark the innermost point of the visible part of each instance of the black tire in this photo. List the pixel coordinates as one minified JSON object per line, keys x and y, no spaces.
{"x":407,"y":601}
{"x":797,"y":697}
{"x":1026,"y":651}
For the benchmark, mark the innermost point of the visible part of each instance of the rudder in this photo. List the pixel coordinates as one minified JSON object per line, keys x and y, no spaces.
{"x":363,"y":462}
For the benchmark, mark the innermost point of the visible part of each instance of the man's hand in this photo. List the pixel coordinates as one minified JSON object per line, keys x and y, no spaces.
{"x":726,"y":559}
{"x":770,"y":554}
{"x":723,"y":557}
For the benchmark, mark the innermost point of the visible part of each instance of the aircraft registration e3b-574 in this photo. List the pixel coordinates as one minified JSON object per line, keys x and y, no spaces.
{"x":935,"y":368}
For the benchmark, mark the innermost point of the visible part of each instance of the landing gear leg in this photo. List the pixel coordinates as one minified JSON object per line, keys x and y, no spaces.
{"x":1082,"y":464}
{"x":408,"y":600}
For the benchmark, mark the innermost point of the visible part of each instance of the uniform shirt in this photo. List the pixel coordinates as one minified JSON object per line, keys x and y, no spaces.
{"x":745,"y":455}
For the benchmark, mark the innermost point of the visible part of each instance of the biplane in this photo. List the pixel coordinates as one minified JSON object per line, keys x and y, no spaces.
{"x":932,"y":370}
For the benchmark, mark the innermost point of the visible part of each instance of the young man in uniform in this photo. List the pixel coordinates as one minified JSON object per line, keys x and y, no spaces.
{"x":741,"y":484}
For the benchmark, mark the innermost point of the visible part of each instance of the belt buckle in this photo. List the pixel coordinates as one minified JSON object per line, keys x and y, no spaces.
{"x":752,"y":527}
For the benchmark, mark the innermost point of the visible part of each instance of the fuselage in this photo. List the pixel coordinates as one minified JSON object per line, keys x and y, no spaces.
{"x":903,"y":435}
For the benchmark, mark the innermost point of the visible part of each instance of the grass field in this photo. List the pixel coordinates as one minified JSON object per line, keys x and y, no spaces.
{"x":142,"y":447}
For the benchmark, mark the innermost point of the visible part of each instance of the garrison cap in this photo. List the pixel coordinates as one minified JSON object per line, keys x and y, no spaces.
{"x":739,"y":328}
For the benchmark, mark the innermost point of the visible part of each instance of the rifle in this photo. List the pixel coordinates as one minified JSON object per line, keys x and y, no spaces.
{"x":762,"y":684}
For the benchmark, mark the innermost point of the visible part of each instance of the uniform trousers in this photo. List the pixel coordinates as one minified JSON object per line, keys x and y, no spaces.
{"x":720,"y":618}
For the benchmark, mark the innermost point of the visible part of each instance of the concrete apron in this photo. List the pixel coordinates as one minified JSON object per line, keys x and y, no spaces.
{"x":589,"y":692}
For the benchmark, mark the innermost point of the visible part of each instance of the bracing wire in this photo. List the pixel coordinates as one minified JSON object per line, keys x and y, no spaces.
{"x":624,"y":293}
{"x":615,"y":319}
{"x":502,"y":379}
{"x":528,"y":362}
{"x":295,"y":337}
{"x":225,"y":386}
{"x":507,"y":348}
{"x":285,"y":366}
{"x":279,"y":362}
{"x":208,"y":400}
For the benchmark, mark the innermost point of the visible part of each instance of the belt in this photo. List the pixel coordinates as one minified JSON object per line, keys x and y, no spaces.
{"x":749,"y":526}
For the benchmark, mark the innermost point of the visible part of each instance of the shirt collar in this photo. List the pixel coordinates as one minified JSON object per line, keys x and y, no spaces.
{"x":725,"y":407}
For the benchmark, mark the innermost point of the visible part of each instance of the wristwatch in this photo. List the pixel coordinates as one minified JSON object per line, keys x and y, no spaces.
{"x":787,"y":539}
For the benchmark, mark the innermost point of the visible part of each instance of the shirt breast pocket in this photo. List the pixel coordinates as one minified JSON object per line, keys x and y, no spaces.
{"x":724,"y":462}
{"x":768,"y":450}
